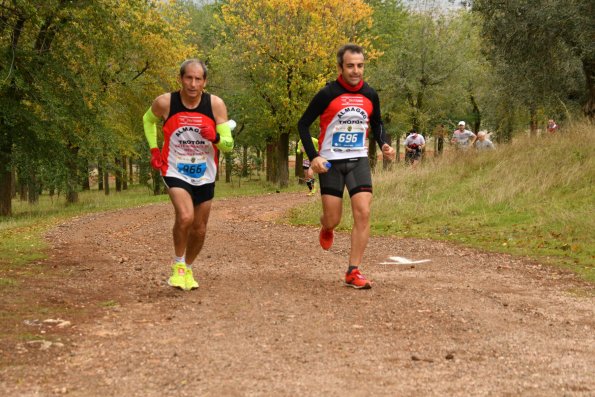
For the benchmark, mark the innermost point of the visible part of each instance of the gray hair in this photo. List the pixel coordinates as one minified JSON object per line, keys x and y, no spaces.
{"x":187,"y":62}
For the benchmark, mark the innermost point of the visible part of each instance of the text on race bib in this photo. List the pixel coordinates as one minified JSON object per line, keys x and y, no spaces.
{"x":192,"y":167}
{"x":344,"y":139}
{"x":192,"y":170}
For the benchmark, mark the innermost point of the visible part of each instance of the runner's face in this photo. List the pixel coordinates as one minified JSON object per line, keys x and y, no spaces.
{"x":193,"y":82}
{"x":353,"y":68}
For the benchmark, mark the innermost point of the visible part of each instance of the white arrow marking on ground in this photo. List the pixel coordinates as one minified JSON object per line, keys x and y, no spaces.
{"x":399,"y":260}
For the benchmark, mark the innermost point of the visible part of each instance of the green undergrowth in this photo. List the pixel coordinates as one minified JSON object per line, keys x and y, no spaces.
{"x":534,"y":198}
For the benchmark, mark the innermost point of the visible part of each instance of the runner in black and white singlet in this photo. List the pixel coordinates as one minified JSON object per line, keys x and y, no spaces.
{"x":194,"y":130}
{"x":348,"y":108}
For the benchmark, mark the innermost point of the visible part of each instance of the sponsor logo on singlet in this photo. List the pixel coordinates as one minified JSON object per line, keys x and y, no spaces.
{"x":189,"y":120}
{"x":352,"y":100}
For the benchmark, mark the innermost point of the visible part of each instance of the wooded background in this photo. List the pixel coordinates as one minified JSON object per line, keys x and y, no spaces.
{"x":76,"y":76}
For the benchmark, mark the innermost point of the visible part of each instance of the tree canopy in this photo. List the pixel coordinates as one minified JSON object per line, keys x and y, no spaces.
{"x":76,"y":76}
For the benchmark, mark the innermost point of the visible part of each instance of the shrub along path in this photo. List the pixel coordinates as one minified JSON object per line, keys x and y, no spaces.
{"x":271,"y":316}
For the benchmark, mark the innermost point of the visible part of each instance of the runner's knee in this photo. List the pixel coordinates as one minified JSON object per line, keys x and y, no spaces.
{"x":361,"y":215}
{"x":185,"y":219}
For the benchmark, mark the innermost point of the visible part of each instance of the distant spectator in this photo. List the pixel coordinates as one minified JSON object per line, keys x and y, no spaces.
{"x":463,"y":138}
{"x":552,"y":127}
{"x":483,"y":141}
{"x":414,"y":145}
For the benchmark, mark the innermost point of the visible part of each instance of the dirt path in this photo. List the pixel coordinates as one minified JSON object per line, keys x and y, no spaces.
{"x":272,"y":318}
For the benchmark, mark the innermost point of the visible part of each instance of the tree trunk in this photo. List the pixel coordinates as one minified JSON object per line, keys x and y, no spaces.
{"x":7,"y":131}
{"x":262,"y":159}
{"x":100,"y":175}
{"x":118,"y":173}
{"x":476,"y":114}
{"x":156,"y":178}
{"x":13,"y":185}
{"x":299,"y":170}
{"x":299,"y":159}
{"x":124,"y":173}
{"x":85,"y":183}
{"x":33,"y":189}
{"x":5,"y":187}
{"x":244,"y":161}
{"x":72,"y":178}
{"x":228,"y":167}
{"x":106,"y":181}
{"x":130,"y":172}
{"x":283,"y":159}
{"x":270,"y":162}
{"x":589,"y":69}
{"x":6,"y":170}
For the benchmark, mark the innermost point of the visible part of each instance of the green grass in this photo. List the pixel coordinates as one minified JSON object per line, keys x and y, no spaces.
{"x":532,"y":198}
{"x":21,"y":235}
{"x":109,"y":303}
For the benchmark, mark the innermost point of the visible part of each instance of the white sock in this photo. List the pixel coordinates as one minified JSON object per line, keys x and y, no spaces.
{"x":180,"y":259}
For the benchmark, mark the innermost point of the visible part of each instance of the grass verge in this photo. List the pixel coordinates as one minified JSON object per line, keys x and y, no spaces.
{"x":534,"y":197}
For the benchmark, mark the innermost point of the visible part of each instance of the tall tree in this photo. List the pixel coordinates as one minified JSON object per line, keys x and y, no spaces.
{"x":425,"y":73}
{"x":543,"y":49}
{"x":64,"y":66}
{"x":285,"y":50}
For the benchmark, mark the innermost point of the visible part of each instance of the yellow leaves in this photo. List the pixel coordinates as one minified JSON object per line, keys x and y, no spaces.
{"x":287,"y":48}
{"x":283,"y":30}
{"x":303,"y":35}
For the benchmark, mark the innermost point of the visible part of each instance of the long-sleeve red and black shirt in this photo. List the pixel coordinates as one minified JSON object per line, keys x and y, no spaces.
{"x":346,"y":115}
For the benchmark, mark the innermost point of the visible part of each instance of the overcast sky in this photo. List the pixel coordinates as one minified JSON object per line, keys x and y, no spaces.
{"x":426,"y":4}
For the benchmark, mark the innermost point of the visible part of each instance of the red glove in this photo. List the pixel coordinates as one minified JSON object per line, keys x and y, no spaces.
{"x":209,"y":133}
{"x":156,"y":160}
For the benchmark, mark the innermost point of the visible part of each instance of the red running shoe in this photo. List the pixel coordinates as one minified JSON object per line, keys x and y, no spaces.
{"x":326,"y":238}
{"x":357,"y":280}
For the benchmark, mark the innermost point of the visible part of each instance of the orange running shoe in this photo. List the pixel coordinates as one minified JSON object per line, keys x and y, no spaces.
{"x":357,"y":280}
{"x":326,"y":238}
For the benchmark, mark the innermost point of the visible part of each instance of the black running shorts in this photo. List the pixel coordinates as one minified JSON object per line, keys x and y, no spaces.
{"x":199,"y":194}
{"x":353,"y":173}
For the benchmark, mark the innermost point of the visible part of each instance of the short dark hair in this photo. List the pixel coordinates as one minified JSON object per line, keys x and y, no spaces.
{"x":187,"y":62}
{"x":348,"y":47}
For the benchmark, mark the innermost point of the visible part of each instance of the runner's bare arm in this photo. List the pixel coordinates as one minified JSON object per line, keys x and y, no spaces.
{"x":160,"y":106}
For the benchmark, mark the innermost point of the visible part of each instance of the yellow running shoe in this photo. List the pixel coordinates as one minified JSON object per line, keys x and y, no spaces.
{"x":178,"y":277}
{"x":190,"y":281}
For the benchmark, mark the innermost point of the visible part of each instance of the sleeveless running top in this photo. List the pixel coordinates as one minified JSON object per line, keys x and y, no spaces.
{"x":188,"y":155}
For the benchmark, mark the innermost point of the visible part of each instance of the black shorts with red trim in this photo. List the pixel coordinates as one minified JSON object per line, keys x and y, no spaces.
{"x":352,"y":173}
